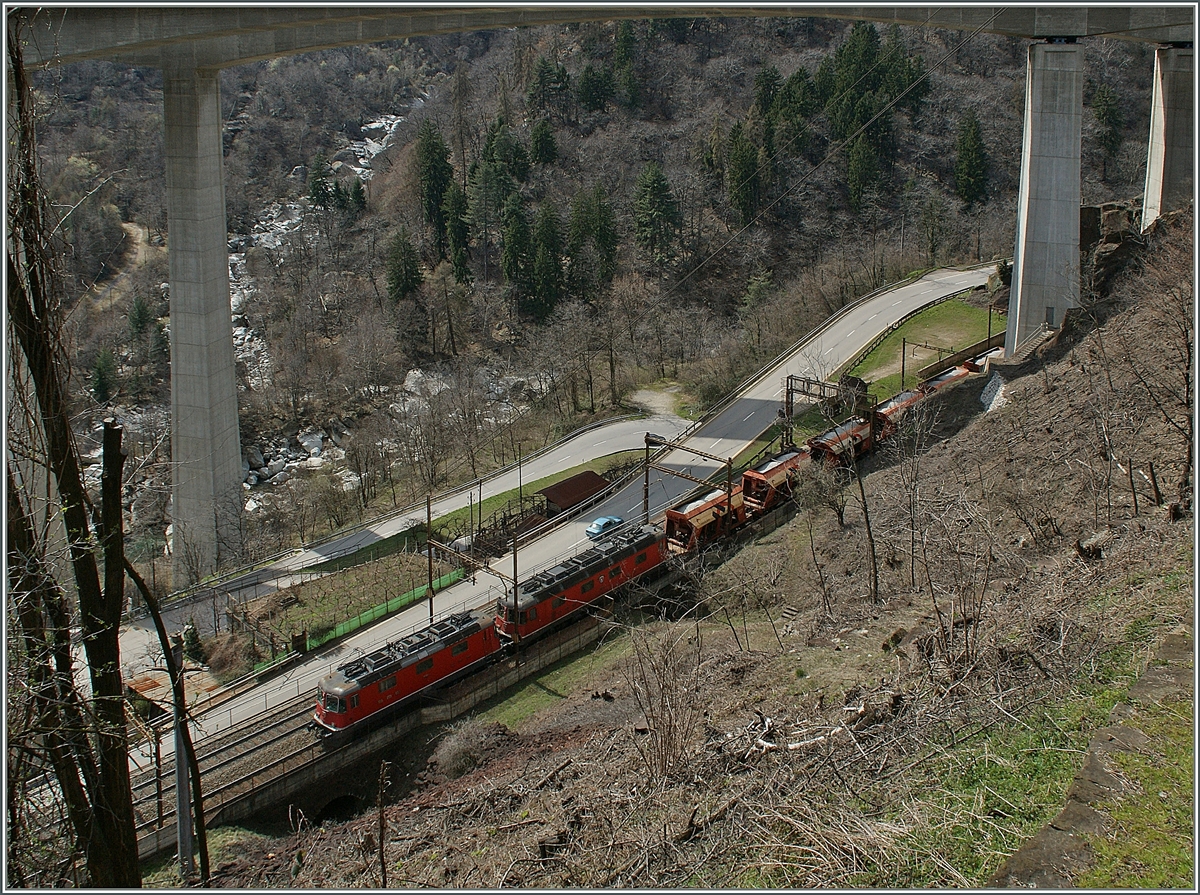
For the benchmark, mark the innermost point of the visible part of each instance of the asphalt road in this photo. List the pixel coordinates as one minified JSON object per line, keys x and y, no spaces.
{"x":729,"y":432}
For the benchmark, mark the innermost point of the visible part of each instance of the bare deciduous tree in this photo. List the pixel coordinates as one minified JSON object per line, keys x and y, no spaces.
{"x":664,"y":675}
{"x":84,"y":744}
{"x":1170,"y":387}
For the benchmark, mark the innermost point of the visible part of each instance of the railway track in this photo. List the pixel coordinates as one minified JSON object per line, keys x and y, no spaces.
{"x":230,"y":762}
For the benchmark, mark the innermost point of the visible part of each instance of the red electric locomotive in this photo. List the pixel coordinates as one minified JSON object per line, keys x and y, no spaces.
{"x":404,"y":668}
{"x":555,"y":593}
{"x":764,"y":487}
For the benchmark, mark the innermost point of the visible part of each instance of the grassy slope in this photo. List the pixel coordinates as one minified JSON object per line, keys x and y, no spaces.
{"x":982,"y":749}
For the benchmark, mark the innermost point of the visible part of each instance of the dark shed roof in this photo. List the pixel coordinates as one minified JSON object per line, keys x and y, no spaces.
{"x":573,"y":491}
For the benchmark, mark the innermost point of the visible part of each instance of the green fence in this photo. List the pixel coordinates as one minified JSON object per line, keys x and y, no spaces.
{"x":375,"y":613}
{"x":383,"y":610}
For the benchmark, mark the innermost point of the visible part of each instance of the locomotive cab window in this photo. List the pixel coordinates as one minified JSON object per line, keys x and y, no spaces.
{"x":334,"y":704}
{"x":387,"y":684}
{"x":354,"y":701}
{"x":424,"y":665}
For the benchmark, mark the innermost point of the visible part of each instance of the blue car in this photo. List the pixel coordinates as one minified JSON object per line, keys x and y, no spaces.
{"x":603,"y":526}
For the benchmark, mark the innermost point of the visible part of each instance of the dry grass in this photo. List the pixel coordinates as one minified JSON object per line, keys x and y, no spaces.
{"x":911,"y":742}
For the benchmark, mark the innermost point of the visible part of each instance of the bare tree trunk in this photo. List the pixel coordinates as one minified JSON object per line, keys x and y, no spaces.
{"x":112,"y":847}
{"x":820,"y":572}
{"x":862,"y":495}
{"x":383,"y":766}
{"x":179,"y":695}
{"x":37,"y":599}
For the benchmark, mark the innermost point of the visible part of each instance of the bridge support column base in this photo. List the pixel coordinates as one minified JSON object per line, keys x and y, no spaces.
{"x":1045,"y":280}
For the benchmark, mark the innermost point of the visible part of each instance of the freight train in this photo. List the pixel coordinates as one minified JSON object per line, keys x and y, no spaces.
{"x":382,"y":681}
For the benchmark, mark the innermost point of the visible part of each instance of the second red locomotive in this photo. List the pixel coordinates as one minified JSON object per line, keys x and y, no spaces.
{"x":555,"y":593}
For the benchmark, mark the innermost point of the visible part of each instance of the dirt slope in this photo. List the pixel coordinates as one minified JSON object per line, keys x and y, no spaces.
{"x":803,"y":734}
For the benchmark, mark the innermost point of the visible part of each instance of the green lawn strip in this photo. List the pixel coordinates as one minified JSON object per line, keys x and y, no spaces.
{"x":383,"y":610}
{"x":556,"y":683}
{"x":978,"y":802}
{"x":329,"y":622}
{"x":409,"y":539}
{"x":224,"y":843}
{"x":950,"y":324}
{"x":1150,"y":842}
{"x":321,"y":603}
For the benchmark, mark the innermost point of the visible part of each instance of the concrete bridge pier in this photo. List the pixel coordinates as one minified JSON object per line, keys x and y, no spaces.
{"x":1169,"y":171}
{"x":1045,"y":275}
{"x":205,"y":444}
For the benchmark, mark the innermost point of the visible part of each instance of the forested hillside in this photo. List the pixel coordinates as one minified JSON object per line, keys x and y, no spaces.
{"x":560,"y":214}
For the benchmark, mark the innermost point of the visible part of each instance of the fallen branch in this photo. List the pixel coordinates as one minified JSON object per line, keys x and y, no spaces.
{"x":519,"y":823}
{"x":694,"y":828}
{"x":546,"y":779}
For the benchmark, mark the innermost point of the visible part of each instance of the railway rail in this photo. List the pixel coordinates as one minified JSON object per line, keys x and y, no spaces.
{"x":229,"y":761}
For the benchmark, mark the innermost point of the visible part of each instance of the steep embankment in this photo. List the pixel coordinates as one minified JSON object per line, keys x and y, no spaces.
{"x":801,"y":734}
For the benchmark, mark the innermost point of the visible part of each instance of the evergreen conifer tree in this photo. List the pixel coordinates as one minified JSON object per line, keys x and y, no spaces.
{"x":631,"y":86}
{"x":403,"y":268}
{"x":543,"y":147}
{"x":591,"y":242}
{"x":140,"y":317}
{"x":546,"y":280}
{"x":655,"y":213}
{"x":624,"y":45}
{"x":741,"y":174}
{"x":862,"y":170}
{"x":488,"y":189}
{"x":320,"y":193}
{"x":434,"y":174}
{"x":104,"y":375}
{"x":516,"y":245}
{"x":766,"y":85}
{"x":358,"y":197}
{"x":595,"y":88}
{"x":454,"y":209}
{"x":604,"y":234}
{"x":714,"y":152}
{"x":970,"y":165}
{"x":540,"y":88}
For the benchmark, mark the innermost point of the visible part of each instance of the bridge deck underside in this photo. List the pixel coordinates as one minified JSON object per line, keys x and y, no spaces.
{"x":216,"y":38}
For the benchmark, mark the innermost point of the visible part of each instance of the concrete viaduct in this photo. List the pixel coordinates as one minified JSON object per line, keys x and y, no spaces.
{"x":191,"y":44}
